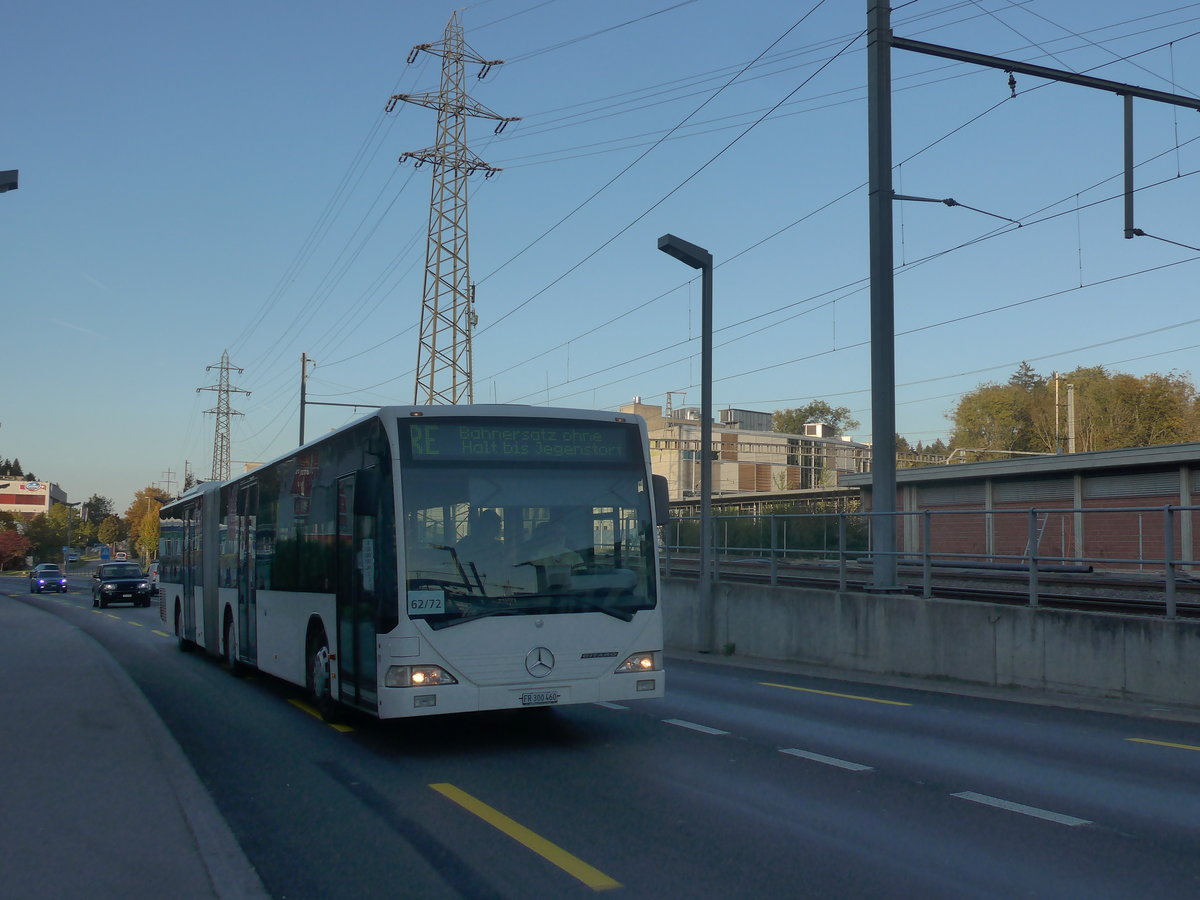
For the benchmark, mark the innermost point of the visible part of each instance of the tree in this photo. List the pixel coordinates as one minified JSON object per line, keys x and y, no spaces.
{"x":14,"y":547}
{"x":143,"y":505}
{"x":11,"y":468}
{"x":84,"y":533}
{"x":147,"y":539}
{"x":110,"y":530}
{"x":49,"y":532}
{"x":1026,"y":378}
{"x":97,"y":508}
{"x":45,"y":536}
{"x":1111,"y":411}
{"x":792,"y":421}
{"x":994,"y":417}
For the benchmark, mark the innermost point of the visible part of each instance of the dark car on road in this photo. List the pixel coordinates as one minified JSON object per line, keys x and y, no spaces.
{"x":121,"y":582}
{"x":47,"y":577}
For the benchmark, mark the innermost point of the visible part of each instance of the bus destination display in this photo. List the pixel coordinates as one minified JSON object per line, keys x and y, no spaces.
{"x":517,"y":441}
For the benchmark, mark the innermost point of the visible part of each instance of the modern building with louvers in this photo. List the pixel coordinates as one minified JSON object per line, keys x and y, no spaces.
{"x":746,"y":460}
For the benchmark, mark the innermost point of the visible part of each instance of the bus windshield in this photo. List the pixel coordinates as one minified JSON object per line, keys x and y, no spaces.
{"x":563,"y":529}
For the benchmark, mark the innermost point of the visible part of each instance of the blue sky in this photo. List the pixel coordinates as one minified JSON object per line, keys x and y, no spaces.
{"x":203,"y":177}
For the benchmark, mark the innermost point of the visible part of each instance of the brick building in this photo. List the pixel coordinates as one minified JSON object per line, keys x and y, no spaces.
{"x":1108,"y":504}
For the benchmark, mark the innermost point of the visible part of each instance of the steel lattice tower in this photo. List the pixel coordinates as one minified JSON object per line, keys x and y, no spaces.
{"x":220,"y":462}
{"x":448,"y":302}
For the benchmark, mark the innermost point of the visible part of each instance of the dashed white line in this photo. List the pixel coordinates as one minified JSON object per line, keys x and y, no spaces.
{"x":828,"y":760}
{"x":1046,"y":814}
{"x":694,"y":727}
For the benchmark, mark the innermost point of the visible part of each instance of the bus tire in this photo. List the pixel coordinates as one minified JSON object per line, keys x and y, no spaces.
{"x":320,"y":689}
{"x":185,"y":646}
{"x":230,"y":654}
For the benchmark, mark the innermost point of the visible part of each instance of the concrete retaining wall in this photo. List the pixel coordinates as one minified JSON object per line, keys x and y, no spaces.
{"x":1083,"y":654}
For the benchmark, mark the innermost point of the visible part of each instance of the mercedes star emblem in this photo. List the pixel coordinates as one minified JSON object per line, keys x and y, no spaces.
{"x":539,"y":662}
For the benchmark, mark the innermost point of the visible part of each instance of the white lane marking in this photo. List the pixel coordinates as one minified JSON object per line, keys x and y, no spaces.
{"x":828,"y":760}
{"x":1022,"y":808}
{"x":692,"y":725}
{"x":607,"y":705}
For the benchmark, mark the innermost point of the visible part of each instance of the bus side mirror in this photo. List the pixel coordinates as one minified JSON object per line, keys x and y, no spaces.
{"x":662,"y":500}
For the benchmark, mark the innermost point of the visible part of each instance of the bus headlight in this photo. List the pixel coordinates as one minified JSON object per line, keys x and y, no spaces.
{"x":650,"y":661}
{"x":417,"y":676}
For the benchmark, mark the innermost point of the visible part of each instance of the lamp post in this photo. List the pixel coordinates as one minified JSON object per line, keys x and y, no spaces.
{"x":67,"y":549}
{"x":699,"y":258}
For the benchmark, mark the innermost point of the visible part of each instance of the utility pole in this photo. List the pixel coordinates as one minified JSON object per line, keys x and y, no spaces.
{"x":444,"y":373}
{"x":220,"y":461}
{"x":1070,"y":418}
{"x":304,"y":361}
{"x":1058,"y":441}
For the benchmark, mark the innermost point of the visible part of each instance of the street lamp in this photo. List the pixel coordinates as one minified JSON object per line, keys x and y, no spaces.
{"x":67,"y":549}
{"x":699,"y":258}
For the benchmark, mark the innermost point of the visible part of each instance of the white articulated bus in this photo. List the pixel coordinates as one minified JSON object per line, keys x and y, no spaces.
{"x":432,"y":559}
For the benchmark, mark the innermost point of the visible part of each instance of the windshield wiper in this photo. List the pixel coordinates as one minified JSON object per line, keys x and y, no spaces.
{"x":481,"y":614}
{"x":624,"y":615}
{"x":461,"y":571}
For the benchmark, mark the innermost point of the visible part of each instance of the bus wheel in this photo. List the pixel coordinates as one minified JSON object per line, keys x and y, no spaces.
{"x":185,"y":646}
{"x":319,"y":687}
{"x":231,"y":660}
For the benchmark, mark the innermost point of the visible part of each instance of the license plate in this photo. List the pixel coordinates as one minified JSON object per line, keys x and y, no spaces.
{"x":540,"y":698}
{"x":126,"y":596}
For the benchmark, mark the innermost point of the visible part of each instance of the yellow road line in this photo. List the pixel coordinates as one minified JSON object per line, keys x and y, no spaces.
{"x":159,"y":633}
{"x":300,"y":704}
{"x":791,"y":687}
{"x":111,"y":616}
{"x":572,"y":865}
{"x":138,"y":624}
{"x":1163,"y":744}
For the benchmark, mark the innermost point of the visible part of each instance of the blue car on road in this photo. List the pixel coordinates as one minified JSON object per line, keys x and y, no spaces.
{"x":47,"y":577}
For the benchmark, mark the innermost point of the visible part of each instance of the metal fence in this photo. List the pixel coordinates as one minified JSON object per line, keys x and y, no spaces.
{"x":1156,"y":543}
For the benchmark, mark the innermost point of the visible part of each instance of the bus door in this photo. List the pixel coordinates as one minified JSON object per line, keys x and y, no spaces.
{"x":247,"y":511}
{"x":187,"y":575}
{"x":356,"y":552}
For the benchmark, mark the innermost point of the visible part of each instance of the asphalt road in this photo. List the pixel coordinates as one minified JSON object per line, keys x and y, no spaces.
{"x":740,"y":783}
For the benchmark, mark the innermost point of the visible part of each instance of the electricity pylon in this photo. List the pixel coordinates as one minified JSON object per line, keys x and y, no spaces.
{"x":448,"y":301}
{"x":220,"y":462}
